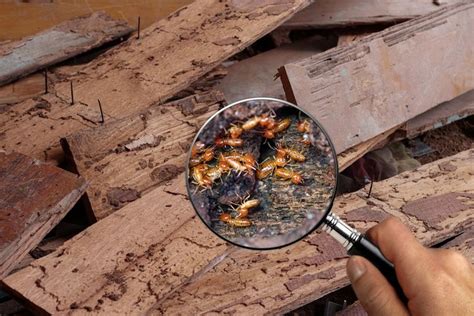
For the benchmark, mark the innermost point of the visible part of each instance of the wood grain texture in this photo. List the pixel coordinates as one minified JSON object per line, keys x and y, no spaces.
{"x":18,"y":59}
{"x":129,"y":157}
{"x":279,"y":281}
{"x":346,"y":13}
{"x":22,"y":89}
{"x":168,"y":262}
{"x":167,"y":58}
{"x":441,"y":115}
{"x":387,"y":78}
{"x":34,"y":197}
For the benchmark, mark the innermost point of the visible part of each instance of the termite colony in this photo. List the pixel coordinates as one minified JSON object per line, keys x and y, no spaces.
{"x":235,"y":170}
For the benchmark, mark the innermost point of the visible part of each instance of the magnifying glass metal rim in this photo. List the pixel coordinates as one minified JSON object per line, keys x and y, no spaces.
{"x":336,"y":169}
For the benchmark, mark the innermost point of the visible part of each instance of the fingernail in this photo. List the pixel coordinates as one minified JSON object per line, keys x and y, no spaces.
{"x":355,"y":268}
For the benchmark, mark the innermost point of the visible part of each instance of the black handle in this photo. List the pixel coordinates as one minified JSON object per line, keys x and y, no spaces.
{"x":365,"y":248}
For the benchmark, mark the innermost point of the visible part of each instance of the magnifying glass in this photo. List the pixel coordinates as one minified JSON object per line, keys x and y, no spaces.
{"x":262,"y":174}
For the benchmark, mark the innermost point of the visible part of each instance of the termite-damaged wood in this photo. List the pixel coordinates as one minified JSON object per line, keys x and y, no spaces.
{"x":166,"y":58}
{"x":34,"y":197}
{"x":279,"y":281}
{"x":168,"y":256}
{"x":361,"y":84}
{"x":68,"y":39}
{"x":347,"y":13}
{"x":129,"y":157}
{"x":255,"y":76}
{"x":443,"y":114}
{"x":22,"y":89}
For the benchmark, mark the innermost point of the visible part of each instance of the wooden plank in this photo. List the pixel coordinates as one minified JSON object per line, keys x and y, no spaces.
{"x":255,"y":76}
{"x":167,"y":58}
{"x":22,"y":89}
{"x":129,"y":157}
{"x":167,"y":256}
{"x":61,"y":42}
{"x":346,"y":13}
{"x":34,"y":197}
{"x":275,"y":282}
{"x":381,"y":80}
{"x":443,"y":114}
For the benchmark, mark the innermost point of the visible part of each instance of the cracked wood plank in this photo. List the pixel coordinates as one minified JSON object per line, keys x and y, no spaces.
{"x":168,"y":57}
{"x":68,"y":39}
{"x":129,"y":157}
{"x":279,"y":281}
{"x":34,"y":197}
{"x":348,"y":13}
{"x":22,"y":89}
{"x":169,"y":262}
{"x":381,"y":80}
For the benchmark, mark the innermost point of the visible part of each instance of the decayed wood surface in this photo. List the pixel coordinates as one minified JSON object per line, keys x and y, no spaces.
{"x":342,"y":13}
{"x":168,"y":262}
{"x":381,"y":80}
{"x":125,"y":159}
{"x":22,"y":89}
{"x":435,"y":201}
{"x":34,"y":197}
{"x":255,"y":76}
{"x":443,"y":114}
{"x":169,"y":55}
{"x":68,"y":39}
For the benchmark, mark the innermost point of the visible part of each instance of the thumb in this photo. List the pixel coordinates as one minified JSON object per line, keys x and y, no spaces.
{"x":374,"y":292}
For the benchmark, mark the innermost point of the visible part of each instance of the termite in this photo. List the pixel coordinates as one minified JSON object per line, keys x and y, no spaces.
{"x":233,"y":163}
{"x":197,"y":148}
{"x":251,"y":123}
{"x":267,"y":122}
{"x":292,"y":153}
{"x":232,"y":142}
{"x":269,"y":134}
{"x":288,"y":174}
{"x":235,"y":131}
{"x":303,"y":126}
{"x":243,"y":209}
{"x":208,"y":155}
{"x":199,"y":175}
{"x":282,"y":125}
{"x":214,"y":173}
{"x":266,"y":168}
{"x":249,"y":161}
{"x":237,"y":222}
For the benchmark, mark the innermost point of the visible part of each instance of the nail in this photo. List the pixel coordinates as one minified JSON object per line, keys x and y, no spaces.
{"x":101,"y":112}
{"x":370,"y":188}
{"x":138,"y":35}
{"x":72,"y":93}
{"x":355,"y":268}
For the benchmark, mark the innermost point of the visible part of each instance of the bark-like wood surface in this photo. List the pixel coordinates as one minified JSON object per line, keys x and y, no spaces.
{"x":68,"y":39}
{"x":382,"y":80}
{"x":34,"y":197}
{"x":155,"y":255}
{"x":347,"y":13}
{"x":168,"y":57}
{"x":129,"y":157}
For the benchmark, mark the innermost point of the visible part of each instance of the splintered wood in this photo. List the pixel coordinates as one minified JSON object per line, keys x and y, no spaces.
{"x":167,"y":256}
{"x":381,"y":80}
{"x":131,"y":156}
{"x":167,"y":57}
{"x":18,"y":59}
{"x":347,"y":13}
{"x":34,"y":197}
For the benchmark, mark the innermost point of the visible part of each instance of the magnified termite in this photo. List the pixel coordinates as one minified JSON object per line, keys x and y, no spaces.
{"x":288,"y":174}
{"x":200,"y":177}
{"x":231,"y":142}
{"x":244,"y":208}
{"x":236,"y":222}
{"x":292,"y":153}
{"x":266,"y":168}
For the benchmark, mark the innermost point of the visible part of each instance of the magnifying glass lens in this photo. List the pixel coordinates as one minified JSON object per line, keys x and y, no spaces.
{"x":262,"y":173}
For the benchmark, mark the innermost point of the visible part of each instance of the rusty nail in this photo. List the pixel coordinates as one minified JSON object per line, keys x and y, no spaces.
{"x":138,"y":35}
{"x":72,"y":93}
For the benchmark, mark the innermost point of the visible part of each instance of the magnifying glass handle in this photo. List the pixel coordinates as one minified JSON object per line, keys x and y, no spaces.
{"x":356,"y":244}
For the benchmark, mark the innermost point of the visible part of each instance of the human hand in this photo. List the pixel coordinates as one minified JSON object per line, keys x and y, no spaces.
{"x":435,"y":281}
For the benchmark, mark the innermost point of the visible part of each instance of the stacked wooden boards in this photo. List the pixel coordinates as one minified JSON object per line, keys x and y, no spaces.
{"x":167,"y":58}
{"x":386,"y":78}
{"x":129,"y":157}
{"x":68,"y":39}
{"x":347,"y":13}
{"x":34,"y":197}
{"x":167,"y":256}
